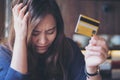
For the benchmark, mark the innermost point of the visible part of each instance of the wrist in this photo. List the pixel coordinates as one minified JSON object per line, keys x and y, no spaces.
{"x":92,"y":72}
{"x":20,"y":38}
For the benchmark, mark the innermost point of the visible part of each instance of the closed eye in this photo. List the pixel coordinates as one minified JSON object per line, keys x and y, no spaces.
{"x":51,"y":31}
{"x":35,"y":33}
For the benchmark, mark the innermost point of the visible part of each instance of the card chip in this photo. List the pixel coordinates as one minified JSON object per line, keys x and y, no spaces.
{"x":87,"y":26}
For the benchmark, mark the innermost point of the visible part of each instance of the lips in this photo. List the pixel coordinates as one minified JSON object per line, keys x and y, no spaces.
{"x":42,"y":47}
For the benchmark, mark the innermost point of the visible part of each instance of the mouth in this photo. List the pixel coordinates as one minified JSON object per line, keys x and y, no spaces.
{"x":42,"y":47}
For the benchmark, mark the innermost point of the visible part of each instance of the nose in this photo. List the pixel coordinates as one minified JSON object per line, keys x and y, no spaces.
{"x":42,"y":39}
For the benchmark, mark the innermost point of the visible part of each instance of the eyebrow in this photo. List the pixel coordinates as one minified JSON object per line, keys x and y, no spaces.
{"x":51,"y":28}
{"x":45,"y":30}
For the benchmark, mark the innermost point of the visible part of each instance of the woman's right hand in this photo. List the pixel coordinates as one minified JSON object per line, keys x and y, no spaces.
{"x":19,"y":57}
{"x":20,"y":20}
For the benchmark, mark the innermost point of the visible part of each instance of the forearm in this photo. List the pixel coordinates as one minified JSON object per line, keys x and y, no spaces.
{"x":19,"y":58}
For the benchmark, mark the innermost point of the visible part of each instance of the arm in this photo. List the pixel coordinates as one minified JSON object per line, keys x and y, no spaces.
{"x":96,"y":54}
{"x":6,"y":72}
{"x":16,"y":68}
{"x":19,"y":58}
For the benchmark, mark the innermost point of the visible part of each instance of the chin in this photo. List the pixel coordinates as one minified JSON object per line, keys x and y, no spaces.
{"x":41,"y":51}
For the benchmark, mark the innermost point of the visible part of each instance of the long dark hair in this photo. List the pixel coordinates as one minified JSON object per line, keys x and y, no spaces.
{"x":59,"y":54}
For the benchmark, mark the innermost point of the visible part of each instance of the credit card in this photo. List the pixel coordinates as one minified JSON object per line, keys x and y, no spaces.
{"x":87,"y":26}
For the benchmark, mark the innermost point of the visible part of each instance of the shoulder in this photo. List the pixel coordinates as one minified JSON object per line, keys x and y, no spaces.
{"x":76,"y":69}
{"x":4,"y":53}
{"x":72,"y":43}
{"x":77,"y":56}
{"x":5,"y":59}
{"x":75,"y":47}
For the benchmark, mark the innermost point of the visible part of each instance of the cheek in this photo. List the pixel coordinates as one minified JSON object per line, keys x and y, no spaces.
{"x":33,"y":39}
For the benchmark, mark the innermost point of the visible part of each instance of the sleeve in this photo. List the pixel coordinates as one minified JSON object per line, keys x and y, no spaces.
{"x":77,"y":69}
{"x":14,"y":75}
{"x":6,"y":72}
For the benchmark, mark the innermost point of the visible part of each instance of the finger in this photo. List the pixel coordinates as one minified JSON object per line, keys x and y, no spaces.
{"x":93,"y":40}
{"x":92,"y":53}
{"x":95,"y":54}
{"x":103,"y":43}
{"x":97,"y":48}
{"x":22,"y":12}
{"x":25,"y":19}
{"x":100,"y":50}
{"x":98,"y":41}
{"x":93,"y":50}
{"x":17,"y":8}
{"x":13,"y":9}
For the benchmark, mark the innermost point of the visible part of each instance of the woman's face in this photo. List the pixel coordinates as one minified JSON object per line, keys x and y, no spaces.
{"x":44,"y":34}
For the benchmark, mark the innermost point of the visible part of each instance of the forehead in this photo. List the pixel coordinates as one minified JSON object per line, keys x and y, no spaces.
{"x":46,"y":23}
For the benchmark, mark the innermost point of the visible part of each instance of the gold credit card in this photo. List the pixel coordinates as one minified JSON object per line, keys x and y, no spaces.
{"x":87,"y":26}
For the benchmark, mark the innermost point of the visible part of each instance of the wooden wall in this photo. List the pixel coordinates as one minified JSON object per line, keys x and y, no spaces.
{"x":107,"y":11}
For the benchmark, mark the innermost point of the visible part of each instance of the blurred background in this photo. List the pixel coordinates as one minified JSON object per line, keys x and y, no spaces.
{"x":106,"y":11}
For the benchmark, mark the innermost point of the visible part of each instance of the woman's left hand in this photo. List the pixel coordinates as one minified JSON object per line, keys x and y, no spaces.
{"x":96,"y":53}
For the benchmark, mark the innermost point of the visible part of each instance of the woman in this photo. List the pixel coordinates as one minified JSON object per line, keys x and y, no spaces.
{"x":37,"y":48}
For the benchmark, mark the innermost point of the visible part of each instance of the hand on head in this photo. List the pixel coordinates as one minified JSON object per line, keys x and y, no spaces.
{"x":20,"y":19}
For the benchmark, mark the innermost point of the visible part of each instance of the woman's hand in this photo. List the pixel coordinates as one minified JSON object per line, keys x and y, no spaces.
{"x":19,"y":57}
{"x":20,"y":20}
{"x":96,"y":53}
